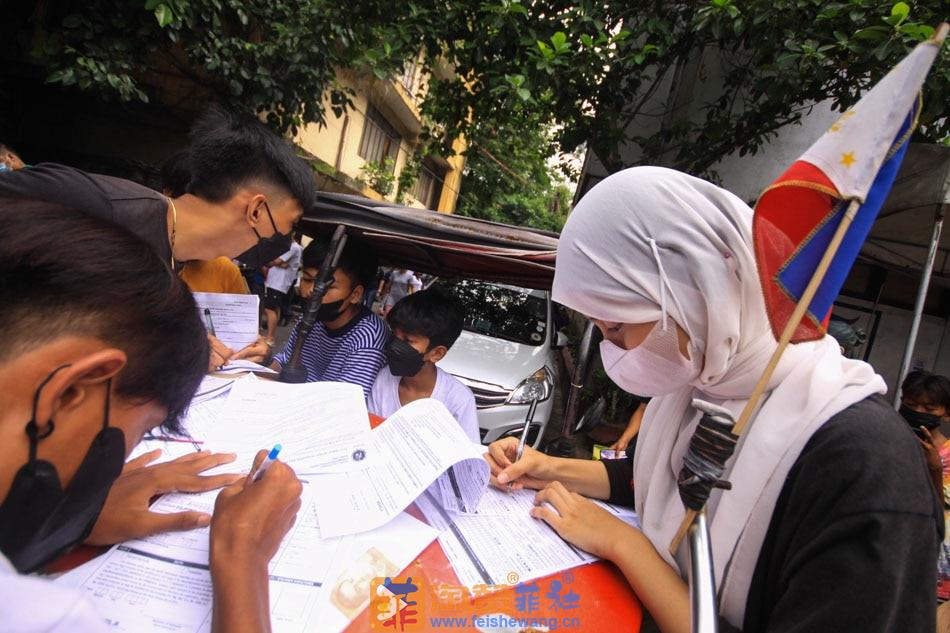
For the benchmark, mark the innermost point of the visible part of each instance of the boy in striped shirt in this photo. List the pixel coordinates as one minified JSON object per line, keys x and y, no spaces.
{"x":348,"y":342}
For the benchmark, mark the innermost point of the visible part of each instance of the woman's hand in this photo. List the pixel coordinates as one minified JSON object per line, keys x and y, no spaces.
{"x":126,"y":513}
{"x":580,"y":521}
{"x":531,"y":471}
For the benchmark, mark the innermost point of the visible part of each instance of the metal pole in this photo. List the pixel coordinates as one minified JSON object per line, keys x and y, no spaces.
{"x":919,"y":304}
{"x":294,"y":371}
{"x":702,"y":579}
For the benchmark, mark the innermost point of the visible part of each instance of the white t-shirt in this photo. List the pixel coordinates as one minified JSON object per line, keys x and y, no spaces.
{"x":33,"y":604}
{"x":281,"y":279}
{"x":399,"y":284}
{"x":457,"y":398}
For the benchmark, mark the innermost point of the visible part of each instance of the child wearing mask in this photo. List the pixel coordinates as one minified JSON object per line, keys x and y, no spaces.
{"x":347,"y":343}
{"x":925,"y":403}
{"x":425,"y":324}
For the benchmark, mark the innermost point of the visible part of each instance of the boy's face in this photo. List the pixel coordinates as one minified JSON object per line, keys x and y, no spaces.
{"x":922,"y":406}
{"x":342,"y":286}
{"x":420,"y":343}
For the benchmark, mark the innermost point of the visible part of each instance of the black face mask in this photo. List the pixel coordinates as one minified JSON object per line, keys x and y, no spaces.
{"x":39,"y":521}
{"x":404,"y":359}
{"x":916,"y":419}
{"x":329,"y":311}
{"x":267,"y":249}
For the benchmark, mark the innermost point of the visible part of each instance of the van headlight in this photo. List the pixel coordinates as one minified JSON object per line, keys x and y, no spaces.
{"x":538,"y":385}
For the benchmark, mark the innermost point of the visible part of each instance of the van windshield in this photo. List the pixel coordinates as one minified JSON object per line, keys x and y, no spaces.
{"x":507,"y":312}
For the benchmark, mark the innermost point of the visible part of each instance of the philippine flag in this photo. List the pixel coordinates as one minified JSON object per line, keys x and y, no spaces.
{"x":856,"y":160}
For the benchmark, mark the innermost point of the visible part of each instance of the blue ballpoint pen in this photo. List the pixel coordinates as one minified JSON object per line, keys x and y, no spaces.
{"x":271,"y":458}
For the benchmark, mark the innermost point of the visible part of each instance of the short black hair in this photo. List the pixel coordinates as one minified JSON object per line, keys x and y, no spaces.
{"x":63,"y":273}
{"x":176,"y":173}
{"x":430,"y":313}
{"x":229,"y":151}
{"x":925,"y":387}
{"x":357,"y":260}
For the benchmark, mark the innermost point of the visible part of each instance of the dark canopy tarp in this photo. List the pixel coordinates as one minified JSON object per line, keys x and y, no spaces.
{"x":438,"y":243}
{"x":903,"y":230}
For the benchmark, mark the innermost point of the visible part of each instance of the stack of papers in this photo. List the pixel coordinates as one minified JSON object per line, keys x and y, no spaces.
{"x":351,"y":528}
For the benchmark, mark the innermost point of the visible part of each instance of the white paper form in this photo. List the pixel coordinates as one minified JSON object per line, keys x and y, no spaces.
{"x":235,"y":317}
{"x":414,"y":447}
{"x":163,"y":583}
{"x":320,"y":425}
{"x":519,"y":502}
{"x":236,"y":366}
{"x":197,"y":422}
{"x":502,"y":541}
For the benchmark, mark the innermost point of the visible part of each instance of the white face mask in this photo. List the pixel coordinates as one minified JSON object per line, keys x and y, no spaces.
{"x":655,"y":367}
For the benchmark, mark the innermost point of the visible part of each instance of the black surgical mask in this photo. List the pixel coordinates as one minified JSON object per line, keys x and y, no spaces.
{"x":404,"y":359}
{"x":916,"y":419}
{"x":39,"y":520}
{"x":267,"y":249}
{"x":329,"y":311}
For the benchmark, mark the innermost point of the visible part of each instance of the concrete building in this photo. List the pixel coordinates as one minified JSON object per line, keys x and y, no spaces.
{"x":380,"y":134}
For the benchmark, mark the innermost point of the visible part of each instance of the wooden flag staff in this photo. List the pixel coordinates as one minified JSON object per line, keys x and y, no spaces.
{"x":783,"y":342}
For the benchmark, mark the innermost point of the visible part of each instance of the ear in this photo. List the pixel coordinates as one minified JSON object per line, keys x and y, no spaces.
{"x":69,"y":387}
{"x":357,"y":294}
{"x":437,"y":353}
{"x":254,"y":206}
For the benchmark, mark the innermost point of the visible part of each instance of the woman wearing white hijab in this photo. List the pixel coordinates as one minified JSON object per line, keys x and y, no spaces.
{"x":831,"y":522}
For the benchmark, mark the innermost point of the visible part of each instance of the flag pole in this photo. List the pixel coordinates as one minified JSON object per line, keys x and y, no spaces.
{"x":800,"y":308}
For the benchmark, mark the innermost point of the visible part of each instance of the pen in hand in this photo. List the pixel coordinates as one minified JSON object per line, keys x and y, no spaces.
{"x":210,"y":322}
{"x":270,"y":459}
{"x":524,"y":433}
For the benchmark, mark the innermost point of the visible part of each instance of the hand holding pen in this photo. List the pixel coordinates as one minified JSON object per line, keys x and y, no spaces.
{"x":253,"y":515}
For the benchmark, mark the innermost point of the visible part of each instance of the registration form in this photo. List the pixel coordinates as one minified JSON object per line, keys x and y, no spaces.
{"x":233,"y":318}
{"x":414,"y":448}
{"x":500,"y":540}
{"x":163,"y":583}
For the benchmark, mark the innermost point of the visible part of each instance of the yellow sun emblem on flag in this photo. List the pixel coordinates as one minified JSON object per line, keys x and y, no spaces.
{"x":840,"y":122}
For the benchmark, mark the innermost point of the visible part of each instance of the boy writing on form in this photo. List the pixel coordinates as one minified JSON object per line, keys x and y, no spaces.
{"x":425,"y":325}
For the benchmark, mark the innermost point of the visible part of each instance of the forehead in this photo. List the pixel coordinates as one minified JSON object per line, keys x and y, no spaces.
{"x":401,"y":333}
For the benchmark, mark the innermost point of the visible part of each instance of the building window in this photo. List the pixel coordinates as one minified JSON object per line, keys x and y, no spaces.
{"x":428,"y":187}
{"x":380,"y":140}
{"x":409,"y":75}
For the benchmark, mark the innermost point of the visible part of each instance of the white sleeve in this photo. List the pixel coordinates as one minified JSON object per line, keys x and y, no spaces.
{"x":32,"y":604}
{"x":374,"y":403}
{"x":463,"y":408}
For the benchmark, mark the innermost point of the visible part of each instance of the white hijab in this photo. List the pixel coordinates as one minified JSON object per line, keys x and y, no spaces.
{"x":650,"y":241}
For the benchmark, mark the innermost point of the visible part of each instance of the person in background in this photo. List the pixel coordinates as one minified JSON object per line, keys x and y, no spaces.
{"x":347,"y":343}
{"x":84,"y":373}
{"x":214,"y":275}
{"x":281,"y":274}
{"x":9,"y":159}
{"x":633,"y":427}
{"x":425,"y":325}
{"x":400,"y":283}
{"x":925,"y":404}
